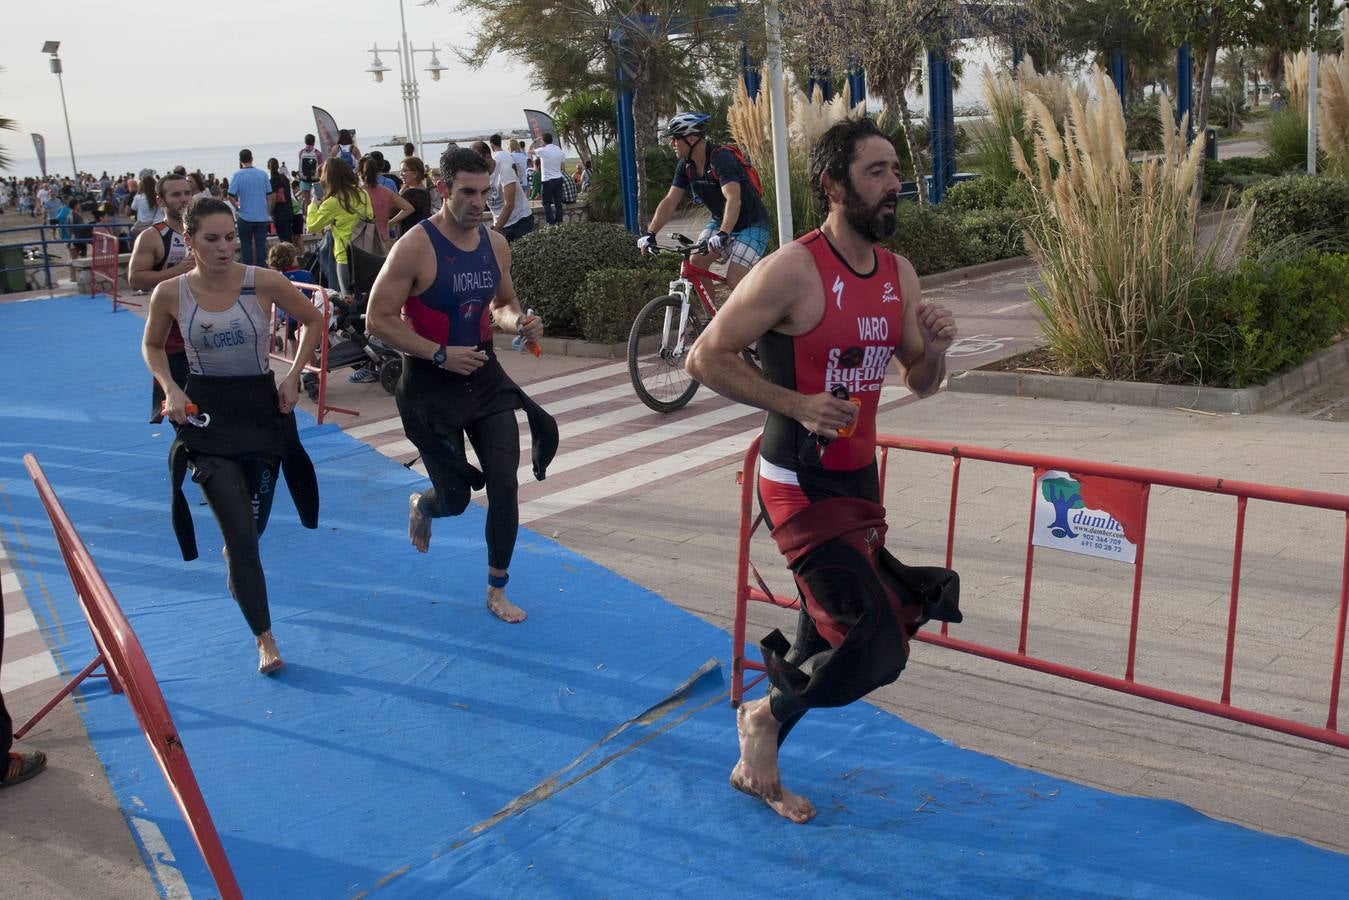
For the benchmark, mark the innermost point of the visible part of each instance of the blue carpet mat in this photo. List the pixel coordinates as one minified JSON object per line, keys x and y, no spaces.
{"x":416,"y":747}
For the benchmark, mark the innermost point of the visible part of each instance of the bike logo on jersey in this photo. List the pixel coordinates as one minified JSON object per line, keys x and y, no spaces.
{"x":838,"y":291}
{"x":889,"y":295}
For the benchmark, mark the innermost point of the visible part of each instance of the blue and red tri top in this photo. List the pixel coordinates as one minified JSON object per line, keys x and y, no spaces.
{"x":456,"y":310}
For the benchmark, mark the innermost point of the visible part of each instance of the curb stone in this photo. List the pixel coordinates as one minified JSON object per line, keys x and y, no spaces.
{"x":1237,"y":401}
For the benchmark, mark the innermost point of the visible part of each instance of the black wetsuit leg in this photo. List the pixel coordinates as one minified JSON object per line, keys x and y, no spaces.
{"x":808,"y":642}
{"x":6,"y":724}
{"x":442,"y":452}
{"x":496,"y":441}
{"x":240,"y":495}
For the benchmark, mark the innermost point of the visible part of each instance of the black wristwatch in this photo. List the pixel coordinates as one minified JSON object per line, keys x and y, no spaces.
{"x":439,"y":356}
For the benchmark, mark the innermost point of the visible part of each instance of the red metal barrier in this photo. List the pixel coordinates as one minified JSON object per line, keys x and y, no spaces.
{"x":104,"y":268}
{"x":1143,"y":479}
{"x":283,"y":345}
{"x":120,"y":654}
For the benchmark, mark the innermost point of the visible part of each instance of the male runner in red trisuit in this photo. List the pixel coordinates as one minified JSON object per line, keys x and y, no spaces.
{"x":829,"y":311}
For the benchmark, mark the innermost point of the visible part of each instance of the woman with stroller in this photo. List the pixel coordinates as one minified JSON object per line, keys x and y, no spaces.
{"x":343,"y":205}
{"x":235,"y":422}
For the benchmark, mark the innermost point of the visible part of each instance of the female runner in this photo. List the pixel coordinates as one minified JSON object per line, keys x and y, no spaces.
{"x":224,"y":310}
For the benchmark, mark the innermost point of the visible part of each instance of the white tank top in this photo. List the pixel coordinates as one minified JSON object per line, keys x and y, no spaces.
{"x":233,"y":342}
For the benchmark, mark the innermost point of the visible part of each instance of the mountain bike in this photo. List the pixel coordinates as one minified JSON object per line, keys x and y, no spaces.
{"x":665,"y":329}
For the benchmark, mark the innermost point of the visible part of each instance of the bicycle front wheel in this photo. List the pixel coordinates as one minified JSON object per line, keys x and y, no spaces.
{"x":657,"y":350}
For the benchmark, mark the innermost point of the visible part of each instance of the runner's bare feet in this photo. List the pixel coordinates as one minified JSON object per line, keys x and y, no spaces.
{"x":502,"y":608}
{"x":756,"y":772}
{"x":269,"y":658}
{"x":419,"y":526}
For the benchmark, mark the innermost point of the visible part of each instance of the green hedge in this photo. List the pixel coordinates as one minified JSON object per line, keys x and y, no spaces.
{"x":1268,"y":316}
{"x":550,"y":266}
{"x":1315,"y":208}
{"x":989,"y":234}
{"x":610,"y":299}
{"x":1237,"y":173}
{"x":977,"y":193}
{"x":949,"y":236}
{"x":930,"y":240}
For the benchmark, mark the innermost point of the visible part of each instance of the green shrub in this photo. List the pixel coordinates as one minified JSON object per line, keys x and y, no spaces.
{"x":1270,"y":315}
{"x":927,"y":238}
{"x":1315,"y":208}
{"x":989,"y":234}
{"x":610,"y":299}
{"x":1143,"y":126}
{"x":1286,"y":139}
{"x":1238,"y":173}
{"x":606,"y":197}
{"x":1228,"y":109}
{"x":551,"y":264}
{"x":977,"y":193}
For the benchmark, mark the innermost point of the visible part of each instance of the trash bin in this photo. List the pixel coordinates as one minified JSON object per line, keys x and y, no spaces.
{"x":1211,"y":143}
{"x":12,"y":276}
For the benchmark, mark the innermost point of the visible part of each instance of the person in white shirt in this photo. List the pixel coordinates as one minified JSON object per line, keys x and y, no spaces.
{"x":145,"y":205}
{"x":521,"y":162}
{"x":511,"y":212}
{"x":551,"y":158}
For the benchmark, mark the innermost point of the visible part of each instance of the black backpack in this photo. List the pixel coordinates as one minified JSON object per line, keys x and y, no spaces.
{"x":309,"y":165}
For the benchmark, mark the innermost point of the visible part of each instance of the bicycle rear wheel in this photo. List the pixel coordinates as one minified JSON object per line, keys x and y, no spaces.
{"x":656,"y":353}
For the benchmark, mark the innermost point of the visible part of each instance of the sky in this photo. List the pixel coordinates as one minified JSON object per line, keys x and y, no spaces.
{"x":158,"y":73}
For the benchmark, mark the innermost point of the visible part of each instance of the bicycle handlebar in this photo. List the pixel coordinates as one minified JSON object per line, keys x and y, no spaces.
{"x":683,"y":250}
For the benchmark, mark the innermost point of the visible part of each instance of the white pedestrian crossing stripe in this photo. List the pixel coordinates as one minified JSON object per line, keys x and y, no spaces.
{"x":610,"y":442}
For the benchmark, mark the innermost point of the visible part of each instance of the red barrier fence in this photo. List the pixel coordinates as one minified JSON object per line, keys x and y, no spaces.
{"x":121,"y":656}
{"x":1139,"y":480}
{"x":104,"y":268}
{"x":282,"y":345}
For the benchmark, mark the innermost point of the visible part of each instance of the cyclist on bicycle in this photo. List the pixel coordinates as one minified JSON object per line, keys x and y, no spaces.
{"x":738,"y":230}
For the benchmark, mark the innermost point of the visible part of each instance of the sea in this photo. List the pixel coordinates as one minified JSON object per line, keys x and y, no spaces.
{"x":222,"y":161}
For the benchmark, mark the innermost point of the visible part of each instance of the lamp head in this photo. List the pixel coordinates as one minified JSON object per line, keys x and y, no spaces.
{"x":436,"y":67}
{"x":377,"y":68}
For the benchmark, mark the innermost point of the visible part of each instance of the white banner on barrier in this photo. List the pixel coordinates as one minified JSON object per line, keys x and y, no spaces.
{"x":1088,"y":515}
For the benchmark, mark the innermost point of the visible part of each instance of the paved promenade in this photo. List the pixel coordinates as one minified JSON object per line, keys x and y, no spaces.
{"x":673,"y":529}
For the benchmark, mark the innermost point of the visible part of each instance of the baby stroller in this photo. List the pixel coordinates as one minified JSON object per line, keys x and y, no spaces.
{"x":348,"y":345}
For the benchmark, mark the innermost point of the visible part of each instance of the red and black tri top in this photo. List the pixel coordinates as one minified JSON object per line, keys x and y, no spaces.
{"x":851,"y":346}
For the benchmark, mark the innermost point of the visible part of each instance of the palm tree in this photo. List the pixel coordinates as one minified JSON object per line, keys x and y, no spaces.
{"x":6,"y":125}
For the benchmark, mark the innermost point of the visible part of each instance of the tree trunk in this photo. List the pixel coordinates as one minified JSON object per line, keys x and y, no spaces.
{"x":644,"y":131}
{"x":1200,"y":117}
{"x":906,"y":122}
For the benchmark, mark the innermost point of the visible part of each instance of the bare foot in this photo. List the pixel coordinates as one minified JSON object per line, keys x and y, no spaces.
{"x":502,"y":608}
{"x":269,"y":658}
{"x":756,"y":772}
{"x":419,"y":526}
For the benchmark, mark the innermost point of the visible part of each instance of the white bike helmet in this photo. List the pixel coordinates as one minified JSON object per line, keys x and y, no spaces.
{"x":688,"y":123}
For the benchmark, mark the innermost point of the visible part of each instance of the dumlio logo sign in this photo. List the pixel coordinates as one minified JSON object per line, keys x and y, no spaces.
{"x":1087,"y":514}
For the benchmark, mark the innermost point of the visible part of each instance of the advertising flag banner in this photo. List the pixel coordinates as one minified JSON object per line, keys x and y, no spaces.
{"x":325,"y":129}
{"x":1088,"y":514}
{"x":40,"y":145}
{"x":539,"y":122}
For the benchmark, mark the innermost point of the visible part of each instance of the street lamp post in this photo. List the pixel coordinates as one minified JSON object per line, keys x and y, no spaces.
{"x":407,"y":77}
{"x":51,"y":47}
